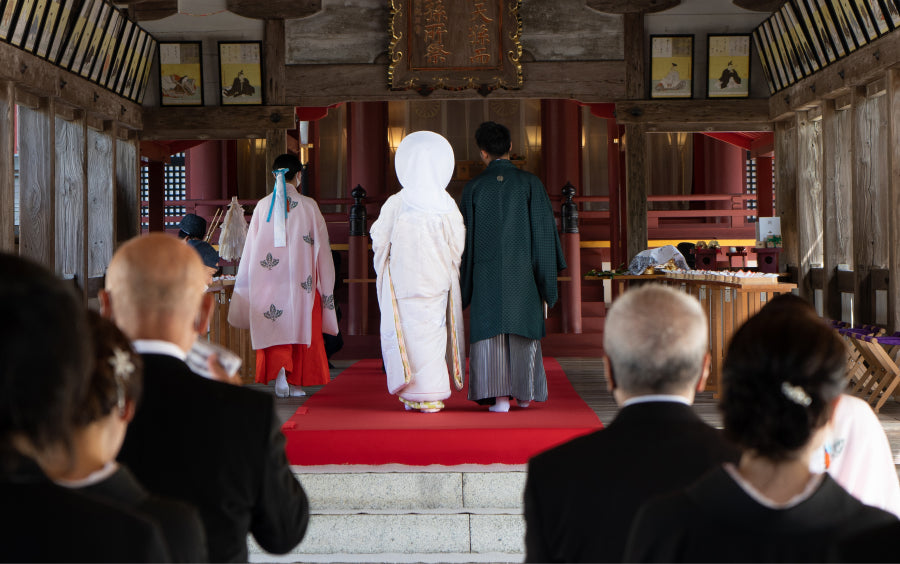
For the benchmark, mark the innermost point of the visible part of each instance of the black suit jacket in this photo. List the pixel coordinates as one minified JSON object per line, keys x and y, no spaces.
{"x":179,"y":522}
{"x":218,"y":447}
{"x":43,"y":522}
{"x":581,"y":497}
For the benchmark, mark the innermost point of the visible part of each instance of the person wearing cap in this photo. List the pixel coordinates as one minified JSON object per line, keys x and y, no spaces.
{"x":192,"y":226}
{"x":418,"y":241}
{"x":284,"y":289}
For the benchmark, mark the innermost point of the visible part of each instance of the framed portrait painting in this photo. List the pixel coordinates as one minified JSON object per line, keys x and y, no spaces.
{"x":180,"y":74}
{"x":671,"y":66}
{"x":728,"y":66}
{"x":240,"y":73}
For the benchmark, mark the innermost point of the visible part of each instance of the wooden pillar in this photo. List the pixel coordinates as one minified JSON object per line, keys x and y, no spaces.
{"x":765,"y":196}
{"x":617,"y":213}
{"x":870,"y":198}
{"x":367,"y":147}
{"x":786,"y":181}
{"x":809,"y":198}
{"x":893,"y":233}
{"x":837,"y":158}
{"x":204,"y":176}
{"x":367,"y":156}
{"x":635,"y":88}
{"x":69,"y":193}
{"x":7,"y":167}
{"x":637,"y":174}
{"x":128,"y":186}
{"x":571,"y":290}
{"x":156,"y":195}
{"x":101,"y":199}
{"x":274,"y":92}
{"x":561,"y":144}
{"x":37,"y":207}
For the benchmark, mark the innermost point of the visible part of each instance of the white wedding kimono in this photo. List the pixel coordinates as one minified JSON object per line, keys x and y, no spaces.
{"x":276,"y":286}
{"x":418,"y":242}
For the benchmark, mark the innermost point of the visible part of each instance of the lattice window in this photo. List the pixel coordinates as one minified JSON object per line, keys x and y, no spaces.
{"x":750,"y":183}
{"x":174,"y":191}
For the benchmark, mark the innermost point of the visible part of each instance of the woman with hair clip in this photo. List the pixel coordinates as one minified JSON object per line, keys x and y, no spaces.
{"x":284,"y":289}
{"x":782,"y":376}
{"x":101,"y":421}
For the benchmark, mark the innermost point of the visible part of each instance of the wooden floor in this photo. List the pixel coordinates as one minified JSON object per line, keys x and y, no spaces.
{"x":586,"y":376}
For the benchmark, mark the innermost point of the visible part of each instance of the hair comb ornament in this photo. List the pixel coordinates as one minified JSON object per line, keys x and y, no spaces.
{"x":796,"y":394}
{"x":123,"y":368}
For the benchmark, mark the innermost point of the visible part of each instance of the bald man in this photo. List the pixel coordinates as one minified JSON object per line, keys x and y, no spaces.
{"x":211,"y":444}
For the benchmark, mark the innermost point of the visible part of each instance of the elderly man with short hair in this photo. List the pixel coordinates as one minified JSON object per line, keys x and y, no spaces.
{"x":581,"y":497}
{"x":211,"y":444}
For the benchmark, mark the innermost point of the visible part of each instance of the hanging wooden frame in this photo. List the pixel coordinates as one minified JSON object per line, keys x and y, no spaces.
{"x":240,"y":73}
{"x":8,"y":18}
{"x":455,"y":45}
{"x":180,"y":73}
{"x":23,"y":18}
{"x":728,"y":66}
{"x":671,"y":66}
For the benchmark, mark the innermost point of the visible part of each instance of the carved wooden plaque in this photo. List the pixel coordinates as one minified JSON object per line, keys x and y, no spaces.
{"x":455,"y":44}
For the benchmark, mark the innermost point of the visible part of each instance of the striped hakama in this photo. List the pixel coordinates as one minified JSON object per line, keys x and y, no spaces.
{"x":507,"y":365}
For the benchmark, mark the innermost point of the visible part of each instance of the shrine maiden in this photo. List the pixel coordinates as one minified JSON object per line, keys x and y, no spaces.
{"x":284,"y":290}
{"x":418,"y":242}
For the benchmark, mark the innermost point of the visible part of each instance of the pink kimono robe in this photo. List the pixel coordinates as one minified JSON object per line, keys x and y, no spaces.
{"x":276,"y":287}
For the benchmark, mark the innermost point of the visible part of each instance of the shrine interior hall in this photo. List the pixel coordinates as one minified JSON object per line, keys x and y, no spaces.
{"x":649,"y":122}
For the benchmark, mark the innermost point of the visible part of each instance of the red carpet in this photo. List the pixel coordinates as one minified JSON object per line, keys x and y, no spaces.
{"x":354,"y":420}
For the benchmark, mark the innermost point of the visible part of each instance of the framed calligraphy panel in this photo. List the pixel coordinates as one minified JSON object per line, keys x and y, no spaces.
{"x":455,"y":44}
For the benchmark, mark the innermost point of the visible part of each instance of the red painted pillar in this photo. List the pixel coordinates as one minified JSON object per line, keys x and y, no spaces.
{"x":765,"y":197}
{"x":156,"y":205}
{"x":203,"y":166}
{"x":561,"y":158}
{"x":561,"y":144}
{"x":618,"y":219}
{"x":367,"y":157}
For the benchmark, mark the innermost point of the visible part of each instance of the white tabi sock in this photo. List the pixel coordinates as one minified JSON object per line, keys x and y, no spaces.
{"x":282,"y":390}
{"x":502,"y":405}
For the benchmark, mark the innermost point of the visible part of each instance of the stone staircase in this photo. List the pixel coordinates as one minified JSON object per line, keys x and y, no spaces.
{"x":396,"y":513}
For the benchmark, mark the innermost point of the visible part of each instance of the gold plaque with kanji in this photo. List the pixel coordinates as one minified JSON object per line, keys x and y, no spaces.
{"x":455,"y":44}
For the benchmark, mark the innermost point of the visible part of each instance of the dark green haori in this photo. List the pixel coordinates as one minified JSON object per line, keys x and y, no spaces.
{"x":512,"y":254}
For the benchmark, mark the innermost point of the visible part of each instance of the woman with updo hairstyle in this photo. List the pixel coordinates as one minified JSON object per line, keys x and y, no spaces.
{"x":783,"y":374}
{"x":101,"y":422}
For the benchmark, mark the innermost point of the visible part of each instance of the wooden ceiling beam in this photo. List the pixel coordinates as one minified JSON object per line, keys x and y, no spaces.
{"x":696,"y":115}
{"x":631,"y":6}
{"x":861,"y":67}
{"x":44,"y":79}
{"x":767,"y":6}
{"x":149,"y":10}
{"x":274,"y":9}
{"x":324,"y":85}
{"x":216,"y":122}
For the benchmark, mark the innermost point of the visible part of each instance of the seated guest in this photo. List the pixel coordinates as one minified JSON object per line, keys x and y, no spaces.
{"x":783,"y":373}
{"x":100,"y":424}
{"x":45,"y":351}
{"x":580,"y":497}
{"x":216,"y":446}
{"x":192,"y":227}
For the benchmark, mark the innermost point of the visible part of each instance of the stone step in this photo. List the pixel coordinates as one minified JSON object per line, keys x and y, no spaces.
{"x":441,"y":515}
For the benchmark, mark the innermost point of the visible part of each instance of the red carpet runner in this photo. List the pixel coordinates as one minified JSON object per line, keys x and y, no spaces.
{"x":354,"y":420}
